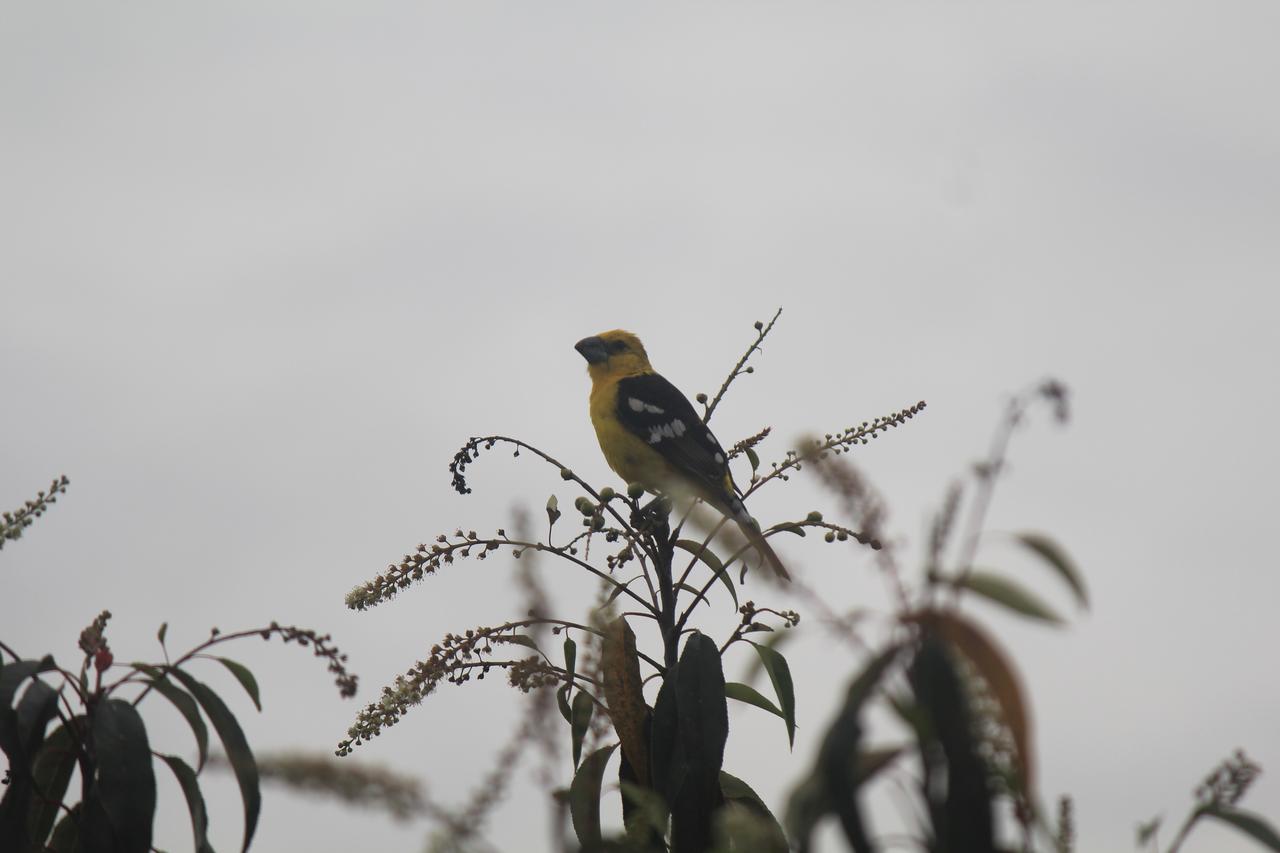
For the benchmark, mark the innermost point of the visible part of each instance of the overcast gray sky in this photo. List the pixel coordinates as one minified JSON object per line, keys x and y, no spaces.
{"x":265,"y":266}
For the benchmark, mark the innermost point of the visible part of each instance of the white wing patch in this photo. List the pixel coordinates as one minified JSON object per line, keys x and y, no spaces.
{"x":638,"y":405}
{"x":674,"y":429}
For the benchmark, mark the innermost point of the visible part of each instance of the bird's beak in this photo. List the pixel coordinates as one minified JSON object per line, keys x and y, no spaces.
{"x":593,"y":349}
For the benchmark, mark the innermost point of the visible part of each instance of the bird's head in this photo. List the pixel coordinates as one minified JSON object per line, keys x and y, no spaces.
{"x":615,"y":353}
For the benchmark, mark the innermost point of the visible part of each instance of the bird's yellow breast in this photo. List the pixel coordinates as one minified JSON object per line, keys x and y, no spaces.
{"x":629,"y":457}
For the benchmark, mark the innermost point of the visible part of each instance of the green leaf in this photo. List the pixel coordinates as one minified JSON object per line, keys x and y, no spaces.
{"x":702,"y":720}
{"x":713,"y":562}
{"x":1053,"y":554}
{"x":1012,"y":595}
{"x":775,"y":665}
{"x":570,"y":656}
{"x":562,"y":701}
{"x":753,"y":458}
{"x":12,"y":675}
{"x":580,"y":721}
{"x":186,"y":706}
{"x":790,"y":527}
{"x":553,"y":510}
{"x":124,"y":792}
{"x":51,"y":771}
{"x":246,"y":679}
{"x":195,"y":801}
{"x":584,"y":797}
{"x":164,"y":629}
{"x":1252,"y":825}
{"x":239,"y":756}
{"x":520,"y":640}
{"x":768,"y":835}
{"x":644,"y":811}
{"x":66,"y":835}
{"x":747,"y":693}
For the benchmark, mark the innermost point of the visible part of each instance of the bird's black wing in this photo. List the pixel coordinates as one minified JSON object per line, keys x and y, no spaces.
{"x":655,"y":411}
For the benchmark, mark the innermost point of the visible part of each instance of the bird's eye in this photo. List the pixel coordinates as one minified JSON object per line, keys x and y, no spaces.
{"x":617,"y":346}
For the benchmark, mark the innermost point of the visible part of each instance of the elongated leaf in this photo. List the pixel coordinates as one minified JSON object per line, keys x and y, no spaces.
{"x":186,"y":706}
{"x":246,"y":679}
{"x":124,"y":793}
{"x":24,"y":732}
{"x":1002,"y":679}
{"x":624,"y":694}
{"x":239,"y":756}
{"x":562,"y":702}
{"x":580,"y":721}
{"x":645,"y":814}
{"x":832,"y":785}
{"x":747,"y":693}
{"x":768,"y":834}
{"x":195,"y":801}
{"x":1053,"y":554}
{"x":1252,"y":825}
{"x":702,"y":717}
{"x":12,"y":676}
{"x":570,"y":656}
{"x":51,"y":772}
{"x":66,"y":835}
{"x":780,"y":675}
{"x":1008,"y":593}
{"x":521,"y":640}
{"x":584,"y":797}
{"x":713,"y":562}
{"x":961,"y":811}
{"x":666,"y":755}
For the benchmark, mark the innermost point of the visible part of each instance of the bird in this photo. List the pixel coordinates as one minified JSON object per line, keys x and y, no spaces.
{"x":651,"y":435}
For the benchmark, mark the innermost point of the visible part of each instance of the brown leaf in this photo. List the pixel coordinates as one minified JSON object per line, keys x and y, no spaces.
{"x":623,"y":691}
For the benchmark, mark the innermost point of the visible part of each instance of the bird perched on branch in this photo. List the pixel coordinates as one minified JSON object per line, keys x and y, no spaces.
{"x":651,"y":435}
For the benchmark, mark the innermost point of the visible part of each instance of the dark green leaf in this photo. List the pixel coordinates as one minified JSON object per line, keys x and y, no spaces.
{"x":1053,"y":554}
{"x":747,"y":693}
{"x":780,"y":675}
{"x":66,"y":835}
{"x":12,"y":675}
{"x":961,"y":810}
{"x":521,"y":640}
{"x":702,"y":716}
{"x":832,"y":785}
{"x":195,"y":801}
{"x":562,"y":701}
{"x":584,"y":797}
{"x":713,"y":562}
{"x":164,"y":629}
{"x":580,"y":721}
{"x":553,"y":510}
{"x":741,"y":794}
{"x":790,"y":527}
{"x":645,"y":813}
{"x":246,"y":679}
{"x":51,"y":772}
{"x":666,"y":756}
{"x":570,"y":656}
{"x":1012,"y":595}
{"x":1252,"y":825}
{"x":186,"y":706}
{"x":239,"y":756}
{"x":753,"y":458}
{"x":124,"y":792}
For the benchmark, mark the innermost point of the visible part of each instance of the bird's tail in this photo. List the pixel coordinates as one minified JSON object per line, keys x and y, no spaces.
{"x":737,"y":510}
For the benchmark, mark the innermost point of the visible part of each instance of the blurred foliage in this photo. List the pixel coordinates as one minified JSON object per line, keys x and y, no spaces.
{"x":58,"y":723}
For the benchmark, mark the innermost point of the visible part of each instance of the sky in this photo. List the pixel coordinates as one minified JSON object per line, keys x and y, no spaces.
{"x":264,"y":267}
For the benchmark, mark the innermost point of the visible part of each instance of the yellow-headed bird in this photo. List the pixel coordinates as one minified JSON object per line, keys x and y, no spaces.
{"x":651,"y":435}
